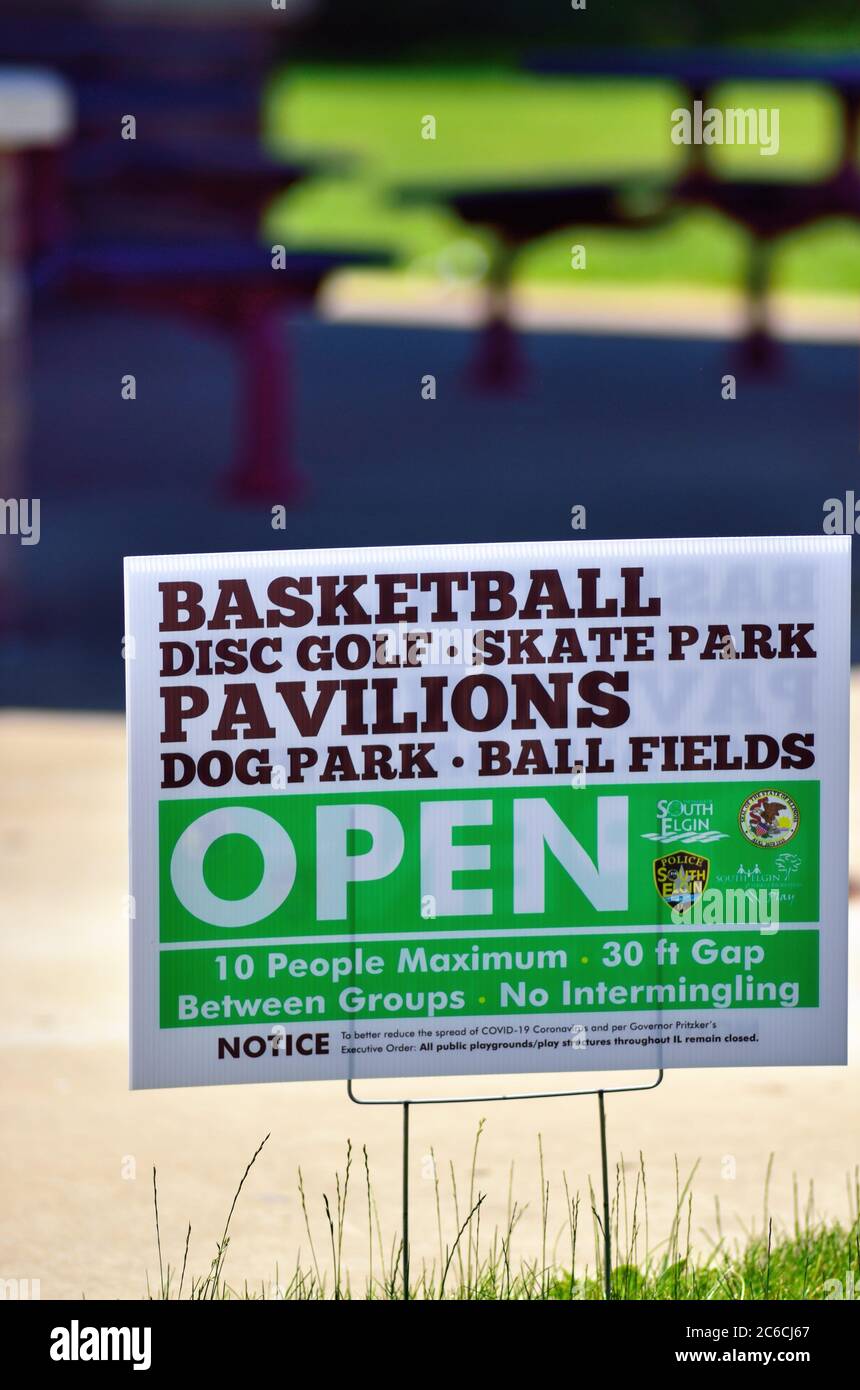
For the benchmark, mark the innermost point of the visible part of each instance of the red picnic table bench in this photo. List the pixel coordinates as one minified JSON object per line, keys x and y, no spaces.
{"x":519,"y":214}
{"x":169,"y":222}
{"x":229,"y":286}
{"x":767,"y":208}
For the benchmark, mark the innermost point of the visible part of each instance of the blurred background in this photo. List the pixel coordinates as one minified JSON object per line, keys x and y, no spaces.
{"x":286,"y":273}
{"x":240,"y":239}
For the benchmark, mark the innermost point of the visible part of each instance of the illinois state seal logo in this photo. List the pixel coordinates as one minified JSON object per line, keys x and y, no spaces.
{"x":681,"y":878}
{"x":769,"y":818}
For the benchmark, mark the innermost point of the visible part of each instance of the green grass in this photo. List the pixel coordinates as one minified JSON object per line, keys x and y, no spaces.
{"x":814,"y":1259}
{"x":494,"y":125}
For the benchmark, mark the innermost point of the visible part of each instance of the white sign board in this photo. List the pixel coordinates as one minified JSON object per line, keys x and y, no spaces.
{"x":490,"y":808}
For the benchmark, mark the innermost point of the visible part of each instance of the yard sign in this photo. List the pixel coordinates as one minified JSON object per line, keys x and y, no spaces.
{"x":488,"y":808}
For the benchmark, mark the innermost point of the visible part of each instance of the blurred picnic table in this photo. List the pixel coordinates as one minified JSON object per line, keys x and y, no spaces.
{"x":158,"y":203}
{"x":35,"y":113}
{"x":765,"y":207}
{"x":519,"y":212}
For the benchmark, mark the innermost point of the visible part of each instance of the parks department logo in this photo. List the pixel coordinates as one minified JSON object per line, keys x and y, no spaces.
{"x":681,"y":878}
{"x":787,"y":865}
{"x":769,"y":818}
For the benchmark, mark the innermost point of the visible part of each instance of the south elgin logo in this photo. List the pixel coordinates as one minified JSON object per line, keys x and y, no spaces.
{"x":684,"y":823}
{"x":769,"y":818}
{"x":680,"y":878}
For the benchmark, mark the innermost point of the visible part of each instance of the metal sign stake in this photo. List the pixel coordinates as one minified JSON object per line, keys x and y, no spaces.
{"x":600,"y":1092}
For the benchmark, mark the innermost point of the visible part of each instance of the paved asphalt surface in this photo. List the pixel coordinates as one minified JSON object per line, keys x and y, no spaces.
{"x":635,"y":429}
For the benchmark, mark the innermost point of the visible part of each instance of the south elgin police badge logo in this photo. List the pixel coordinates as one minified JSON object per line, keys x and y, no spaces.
{"x":681,"y":878}
{"x":769,"y":818}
